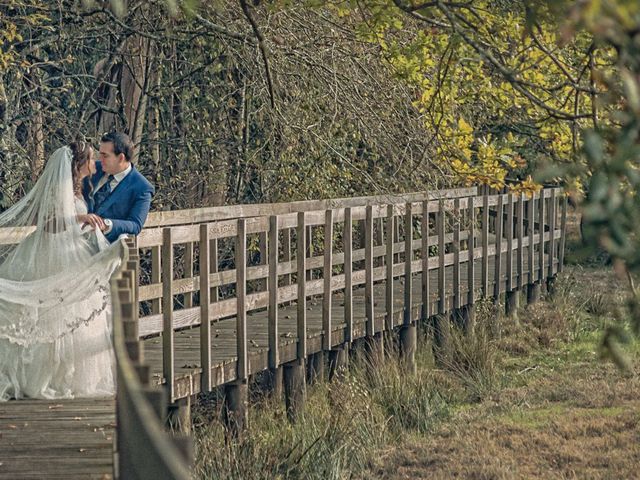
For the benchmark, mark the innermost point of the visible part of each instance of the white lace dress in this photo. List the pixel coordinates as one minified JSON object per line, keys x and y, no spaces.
{"x":76,"y":364}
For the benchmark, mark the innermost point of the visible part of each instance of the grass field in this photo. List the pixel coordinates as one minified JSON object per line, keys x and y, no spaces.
{"x":525,"y":399}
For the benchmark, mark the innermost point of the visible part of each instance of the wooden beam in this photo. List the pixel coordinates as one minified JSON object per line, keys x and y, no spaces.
{"x":327,"y":275}
{"x":205,"y":323}
{"x":301,"y":243}
{"x":408,"y":258}
{"x":167,"y":312}
{"x":273,"y":333}
{"x":241,"y":299}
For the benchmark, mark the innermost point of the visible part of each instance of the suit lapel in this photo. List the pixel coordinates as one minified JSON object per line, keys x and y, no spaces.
{"x":116,"y":191}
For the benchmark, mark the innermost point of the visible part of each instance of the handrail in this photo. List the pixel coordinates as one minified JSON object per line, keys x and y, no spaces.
{"x":157,"y":219}
{"x":226,"y":212}
{"x":144,"y":450}
{"x":175,"y":253}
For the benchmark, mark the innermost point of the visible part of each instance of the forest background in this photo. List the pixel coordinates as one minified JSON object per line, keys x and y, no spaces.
{"x":230,"y":102}
{"x":243,"y":102}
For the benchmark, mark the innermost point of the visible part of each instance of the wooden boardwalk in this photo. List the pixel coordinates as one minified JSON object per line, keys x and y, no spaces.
{"x":178,"y":332}
{"x":57,"y":439}
{"x":224,"y":351}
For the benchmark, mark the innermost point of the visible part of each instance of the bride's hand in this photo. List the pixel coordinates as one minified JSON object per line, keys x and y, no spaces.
{"x":93,"y":220}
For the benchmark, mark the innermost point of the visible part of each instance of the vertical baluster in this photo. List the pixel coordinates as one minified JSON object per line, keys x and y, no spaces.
{"x":167,"y":312}
{"x":531,"y":222}
{"x":327,"y":274}
{"x":425,"y":258}
{"x":368,"y":265}
{"x":541,"y":215}
{"x":552,"y":232}
{"x":274,"y":338}
{"x":509,"y":235}
{"x":348,"y":274}
{"x":519,"y":233}
{"x":302,"y":287}
{"x":563,"y":232}
{"x":471,"y":299}
{"x":205,"y":323}
{"x":442,"y":294}
{"x":241,"y":300}
{"x":457,"y":218}
{"x":389,"y":265}
{"x":497,"y":288}
{"x":408,"y":257}
{"x":485,"y":243}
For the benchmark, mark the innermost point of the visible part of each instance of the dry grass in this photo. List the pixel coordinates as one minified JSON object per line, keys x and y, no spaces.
{"x":531,"y":399}
{"x":562,"y":412}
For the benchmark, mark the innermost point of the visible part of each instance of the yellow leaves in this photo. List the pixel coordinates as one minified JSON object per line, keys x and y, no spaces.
{"x":463,"y":127}
{"x":9,"y":32}
{"x":526,"y":186}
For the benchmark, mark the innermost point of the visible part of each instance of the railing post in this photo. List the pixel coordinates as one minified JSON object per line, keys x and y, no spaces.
{"x":348,"y":275}
{"x":302,"y":287}
{"x":294,"y":372}
{"x":485,"y":244}
{"x":563,"y":232}
{"x":457,"y":218}
{"x":442,"y":293}
{"x":236,"y":393}
{"x":552,"y":242}
{"x":469,"y":310}
{"x":272,"y":284}
{"x":512,"y":300}
{"x":375,"y":343}
{"x":389,"y":300}
{"x":520,"y":234}
{"x":205,"y":323}
{"x":440,"y":324}
{"x":533,"y":288}
{"x":425,"y":259}
{"x":497,"y":287}
{"x":541,"y":223}
{"x":408,"y":332}
{"x":327,"y":275}
{"x":167,"y":312}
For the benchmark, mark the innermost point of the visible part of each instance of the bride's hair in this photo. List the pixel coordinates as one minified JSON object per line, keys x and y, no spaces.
{"x":81,"y":152}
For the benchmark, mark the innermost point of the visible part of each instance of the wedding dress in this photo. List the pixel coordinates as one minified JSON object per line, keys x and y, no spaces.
{"x":55,"y":334}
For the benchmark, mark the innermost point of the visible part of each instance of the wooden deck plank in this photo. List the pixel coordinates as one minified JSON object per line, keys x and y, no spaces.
{"x":42,"y":439}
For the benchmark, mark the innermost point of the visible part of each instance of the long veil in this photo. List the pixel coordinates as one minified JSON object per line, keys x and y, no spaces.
{"x":54,"y":276}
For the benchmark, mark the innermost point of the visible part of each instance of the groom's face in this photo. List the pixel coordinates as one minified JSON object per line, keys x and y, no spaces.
{"x":111,"y":163}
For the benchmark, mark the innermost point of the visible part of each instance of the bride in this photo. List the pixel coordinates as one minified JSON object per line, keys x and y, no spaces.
{"x":55,"y":335}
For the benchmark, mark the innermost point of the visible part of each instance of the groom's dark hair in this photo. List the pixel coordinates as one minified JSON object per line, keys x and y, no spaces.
{"x":121,"y":143}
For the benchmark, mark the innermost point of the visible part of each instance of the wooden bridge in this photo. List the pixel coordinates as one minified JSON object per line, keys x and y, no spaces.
{"x":287,"y":287}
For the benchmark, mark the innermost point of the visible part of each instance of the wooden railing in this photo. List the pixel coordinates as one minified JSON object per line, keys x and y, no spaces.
{"x":256,"y":273}
{"x":243,"y":267}
{"x":143,"y":449}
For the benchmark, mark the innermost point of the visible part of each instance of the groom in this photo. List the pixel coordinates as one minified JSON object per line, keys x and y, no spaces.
{"x":118,"y":196}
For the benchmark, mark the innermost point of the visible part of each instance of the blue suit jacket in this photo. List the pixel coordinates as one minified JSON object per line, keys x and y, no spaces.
{"x":127,"y":206}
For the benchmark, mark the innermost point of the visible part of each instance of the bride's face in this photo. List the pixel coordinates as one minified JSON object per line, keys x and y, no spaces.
{"x":88,"y":168}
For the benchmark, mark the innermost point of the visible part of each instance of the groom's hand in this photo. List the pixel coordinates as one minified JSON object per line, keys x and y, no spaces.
{"x":94,"y":221}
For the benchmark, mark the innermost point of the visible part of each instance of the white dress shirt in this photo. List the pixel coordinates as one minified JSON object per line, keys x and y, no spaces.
{"x":117,"y":178}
